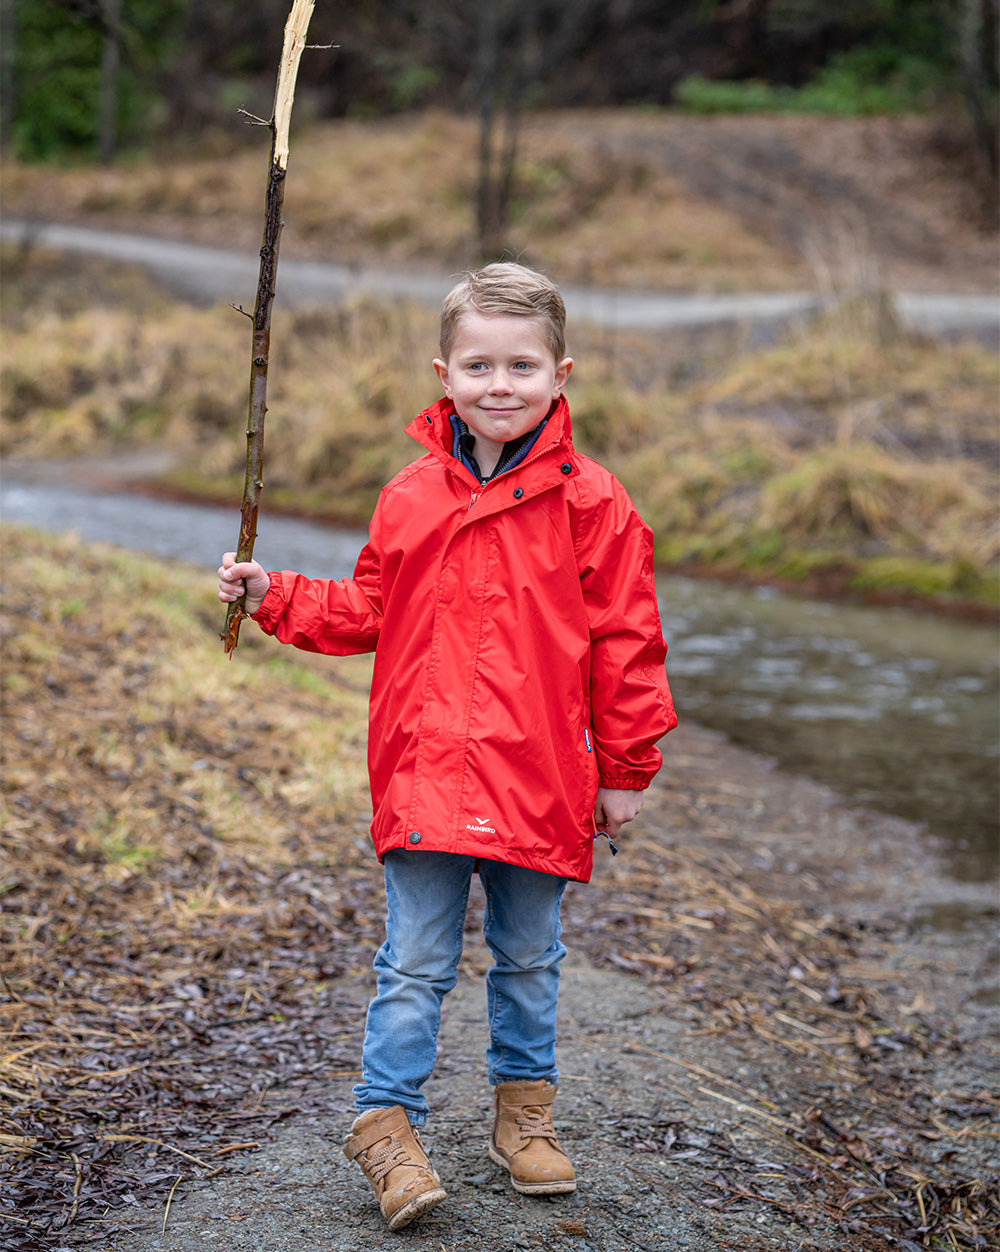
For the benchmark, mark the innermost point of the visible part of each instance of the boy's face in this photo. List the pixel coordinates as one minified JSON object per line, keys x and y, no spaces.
{"x":501,"y":376}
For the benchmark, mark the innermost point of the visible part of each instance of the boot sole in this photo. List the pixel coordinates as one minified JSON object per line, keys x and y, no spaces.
{"x":532,"y":1188}
{"x":415,"y":1208}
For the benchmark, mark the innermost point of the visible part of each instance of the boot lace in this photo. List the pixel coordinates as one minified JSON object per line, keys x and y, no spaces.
{"x":535,"y":1123}
{"x":383,"y":1157}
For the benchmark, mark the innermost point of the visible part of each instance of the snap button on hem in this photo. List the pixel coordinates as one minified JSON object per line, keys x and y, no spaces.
{"x":414,"y":836}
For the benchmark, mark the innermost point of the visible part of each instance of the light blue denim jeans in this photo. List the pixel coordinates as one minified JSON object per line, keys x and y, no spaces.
{"x":426,"y":898}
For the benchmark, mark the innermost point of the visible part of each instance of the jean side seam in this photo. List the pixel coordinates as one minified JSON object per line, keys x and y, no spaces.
{"x":493,"y":997}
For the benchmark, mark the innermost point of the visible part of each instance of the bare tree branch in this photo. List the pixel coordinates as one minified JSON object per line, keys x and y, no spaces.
{"x":295,"y":33}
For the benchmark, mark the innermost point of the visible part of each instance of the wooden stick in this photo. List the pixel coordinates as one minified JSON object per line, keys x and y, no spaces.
{"x":170,"y":1200}
{"x":295,"y":40}
{"x":158,"y":1143}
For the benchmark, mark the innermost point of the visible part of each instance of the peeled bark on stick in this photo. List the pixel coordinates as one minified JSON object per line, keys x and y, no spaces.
{"x":295,"y":38}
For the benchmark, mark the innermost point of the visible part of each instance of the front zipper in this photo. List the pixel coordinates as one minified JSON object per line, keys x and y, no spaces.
{"x":476,"y":494}
{"x":535,"y":455}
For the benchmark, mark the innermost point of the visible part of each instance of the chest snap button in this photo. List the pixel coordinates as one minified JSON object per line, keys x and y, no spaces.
{"x":518,"y":493}
{"x":566,"y":467}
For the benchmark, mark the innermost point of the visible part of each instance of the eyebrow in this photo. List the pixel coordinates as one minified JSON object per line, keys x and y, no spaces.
{"x":472,"y":355}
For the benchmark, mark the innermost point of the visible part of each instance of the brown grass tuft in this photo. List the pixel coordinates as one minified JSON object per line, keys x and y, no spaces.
{"x":836,"y":440}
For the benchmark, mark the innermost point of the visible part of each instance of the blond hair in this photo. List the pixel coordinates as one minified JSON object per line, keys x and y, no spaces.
{"x":506,"y":287}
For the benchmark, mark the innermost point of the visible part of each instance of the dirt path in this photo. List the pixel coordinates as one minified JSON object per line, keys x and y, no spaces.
{"x":894,"y":202}
{"x":204,"y":274}
{"x":300,"y":1192}
{"x":696,"y":1097}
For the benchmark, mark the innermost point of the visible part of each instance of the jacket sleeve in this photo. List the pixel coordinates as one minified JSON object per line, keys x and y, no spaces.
{"x":339,"y":618}
{"x":631,"y":706}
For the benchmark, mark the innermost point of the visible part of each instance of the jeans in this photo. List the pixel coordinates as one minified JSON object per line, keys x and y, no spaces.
{"x":426,"y":897}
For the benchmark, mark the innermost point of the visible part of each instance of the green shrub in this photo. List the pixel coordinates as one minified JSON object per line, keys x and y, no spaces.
{"x":703,"y":95}
{"x":56,"y":64}
{"x":871,"y":79}
{"x":868,"y":79}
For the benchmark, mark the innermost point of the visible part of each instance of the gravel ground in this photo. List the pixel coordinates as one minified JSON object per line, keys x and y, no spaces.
{"x":300,"y":1192}
{"x":663,"y":1105}
{"x":778,"y":1026}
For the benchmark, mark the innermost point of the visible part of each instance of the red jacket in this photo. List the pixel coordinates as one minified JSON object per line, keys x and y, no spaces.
{"x":518,"y":650}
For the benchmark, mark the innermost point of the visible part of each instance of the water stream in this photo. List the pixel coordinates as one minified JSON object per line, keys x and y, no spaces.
{"x":897,"y":710}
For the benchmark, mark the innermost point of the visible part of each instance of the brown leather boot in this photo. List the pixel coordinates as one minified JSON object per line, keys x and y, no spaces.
{"x":393,"y":1159}
{"x":525,"y":1141}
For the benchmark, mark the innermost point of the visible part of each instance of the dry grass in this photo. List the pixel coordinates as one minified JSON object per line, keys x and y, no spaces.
{"x":849,"y":452}
{"x":138,"y":639}
{"x":840,"y":444}
{"x":849,"y":442}
{"x":97,"y":357}
{"x":860,"y":491}
{"x":402,"y":192}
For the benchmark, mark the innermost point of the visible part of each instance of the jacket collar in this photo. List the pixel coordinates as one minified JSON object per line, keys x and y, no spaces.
{"x":432,"y":428}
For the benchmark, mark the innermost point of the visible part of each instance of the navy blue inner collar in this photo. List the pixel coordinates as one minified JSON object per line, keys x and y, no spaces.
{"x":512,"y":453}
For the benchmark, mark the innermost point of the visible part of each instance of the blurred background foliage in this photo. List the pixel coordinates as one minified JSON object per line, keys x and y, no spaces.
{"x":847,"y":449}
{"x":90,"y":78}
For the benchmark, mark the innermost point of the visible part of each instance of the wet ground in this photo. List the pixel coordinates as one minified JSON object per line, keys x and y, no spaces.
{"x":779,"y":1022}
{"x":705,"y":1108}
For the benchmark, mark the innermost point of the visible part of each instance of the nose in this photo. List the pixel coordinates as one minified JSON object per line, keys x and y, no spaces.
{"x":500,"y":383}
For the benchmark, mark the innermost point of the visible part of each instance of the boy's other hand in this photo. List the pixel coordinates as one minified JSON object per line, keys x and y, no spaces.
{"x":614,"y":808}
{"x":234,"y":575}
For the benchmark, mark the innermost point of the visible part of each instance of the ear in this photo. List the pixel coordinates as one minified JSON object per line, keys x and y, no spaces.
{"x":563,"y":371}
{"x":442,"y":372}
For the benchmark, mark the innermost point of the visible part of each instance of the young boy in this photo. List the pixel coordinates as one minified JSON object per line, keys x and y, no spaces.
{"x":518,"y":693}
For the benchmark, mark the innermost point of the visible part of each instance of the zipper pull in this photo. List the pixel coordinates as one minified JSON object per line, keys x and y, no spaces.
{"x":473,"y":498}
{"x":614,"y":850}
